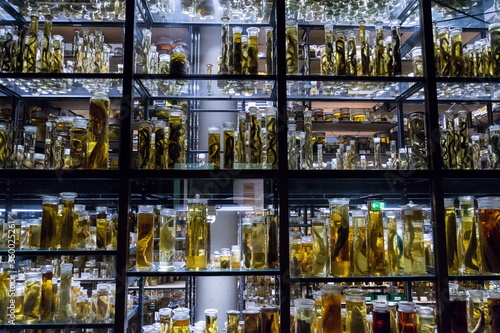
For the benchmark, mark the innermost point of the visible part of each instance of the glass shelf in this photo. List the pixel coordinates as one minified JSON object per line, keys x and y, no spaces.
{"x":166,"y":11}
{"x":205,"y":273}
{"x":76,"y":12}
{"x":62,"y":87}
{"x":342,"y":90}
{"x":365,"y":279}
{"x":358,"y":127}
{"x":200,"y":89}
{"x":476,"y":16}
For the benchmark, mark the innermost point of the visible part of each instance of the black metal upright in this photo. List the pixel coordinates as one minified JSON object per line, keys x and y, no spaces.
{"x":283,"y":179}
{"x":436,"y":164}
{"x":125,"y":158}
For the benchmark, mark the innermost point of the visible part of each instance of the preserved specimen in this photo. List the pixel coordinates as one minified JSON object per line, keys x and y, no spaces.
{"x":197,"y":234}
{"x":145,"y":233}
{"x":339,"y":237}
{"x":167,"y":239}
{"x":99,"y":130}
{"x":214,"y":146}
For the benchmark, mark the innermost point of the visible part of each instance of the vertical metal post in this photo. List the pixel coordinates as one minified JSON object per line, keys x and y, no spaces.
{"x":436,"y":164}
{"x":125,"y":157}
{"x":284,"y":174}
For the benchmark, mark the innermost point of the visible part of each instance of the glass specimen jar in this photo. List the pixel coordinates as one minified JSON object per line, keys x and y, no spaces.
{"x":67,"y":222}
{"x":214,"y":146}
{"x":82,"y":309}
{"x":381,"y":317}
{"x":160,"y":135}
{"x":102,"y":227}
{"x":225,"y":258}
{"x":252,"y":321}
{"x":102,"y":303}
{"x":458,"y":307}
{"x":258,"y":244}
{"x":79,"y":144}
{"x":270,"y":319}
{"x":426,"y":321}
{"x":179,"y":63}
{"x":228,"y":145}
{"x":272,"y":148}
{"x":144,"y":144}
{"x":470,"y":236}
{"x":407,"y":317}
{"x":32,"y":297}
{"x":320,"y":247}
{"x":476,"y":310}
{"x":489,"y":233}
{"x":331,"y":305}
{"x":65,"y":312}
{"x":359,"y":263}
{"x":167,"y":239}
{"x":376,"y":247}
{"x":305,"y":257}
{"x":211,"y":320}
{"x":355,"y":310}
{"x":413,"y":239}
{"x":47,"y":305}
{"x":457,"y":55}
{"x":35,"y":229}
{"x":416,"y":133}
{"x":197,"y":234}
{"x":176,"y":153}
{"x":292,"y":48}
{"x":255,"y":151}
{"x":339,"y":237}
{"x":493,"y":310}
{"x":417,"y":62}
{"x":305,"y":314}
{"x":494,"y":30}
{"x":145,"y":234}
{"x":494,"y":131}
{"x":253,"y":50}
{"x":452,"y":242}
{"x":3,"y":145}
{"x":233,"y":319}
{"x":180,"y":320}
{"x":165,"y":319}
{"x":99,"y":131}
{"x":49,"y":238}
{"x":29,"y":146}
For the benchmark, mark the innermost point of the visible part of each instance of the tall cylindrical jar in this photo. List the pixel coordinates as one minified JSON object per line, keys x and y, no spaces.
{"x":48,"y":305}
{"x":356,"y":310}
{"x":33,"y":297}
{"x":305,"y":314}
{"x":458,"y":307}
{"x":331,"y":306}
{"x":413,"y":239}
{"x":339,"y":237}
{"x":292,"y":47}
{"x":65,"y":313}
{"x":228,"y":145}
{"x":426,"y":321}
{"x":252,"y":321}
{"x":407,"y":317}
{"x":253,"y":50}
{"x":167,"y":238}
{"x":359,"y":262}
{"x":233,"y":319}
{"x":489,"y":233}
{"x":214,"y":146}
{"x":99,"y":130}
{"x":144,"y":144}
{"x":376,"y":246}
{"x":165,"y":319}
{"x":494,"y":30}
{"x":255,"y":151}
{"x":176,"y":153}
{"x":145,"y":234}
{"x":416,"y":133}
{"x":381,"y":317}
{"x":307,"y":154}
{"x":258,"y":244}
{"x":197,"y":234}
{"x":470,"y":236}
{"x":67,"y":222}
{"x":101,"y":227}
{"x":272,"y":139}
{"x":79,"y":144}
{"x":272,"y":232}
{"x":270,"y":319}
{"x":495,"y":146}
{"x":493,"y":318}
{"x":102,"y":303}
{"x":320,"y":247}
{"x":49,"y":230}
{"x":452,"y":236}
{"x":211,"y":320}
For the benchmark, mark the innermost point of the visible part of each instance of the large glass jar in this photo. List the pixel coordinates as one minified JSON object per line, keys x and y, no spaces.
{"x":32,"y":297}
{"x":197,"y":234}
{"x":167,"y":238}
{"x":489,"y":232}
{"x":339,"y":237}
{"x":99,"y":130}
{"x":356,"y":310}
{"x":331,"y":300}
{"x":145,"y":234}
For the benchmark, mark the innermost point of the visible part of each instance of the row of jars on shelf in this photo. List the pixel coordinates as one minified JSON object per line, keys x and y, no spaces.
{"x":77,"y":10}
{"x":470,"y":310}
{"x":41,"y":52}
{"x":258,"y":250}
{"x":66,"y":226}
{"x":361,"y":243}
{"x":87,"y":140}
{"x":255,"y":320}
{"x":44,"y":298}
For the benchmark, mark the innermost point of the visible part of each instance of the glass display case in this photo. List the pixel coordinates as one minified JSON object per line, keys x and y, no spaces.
{"x":325,"y":166}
